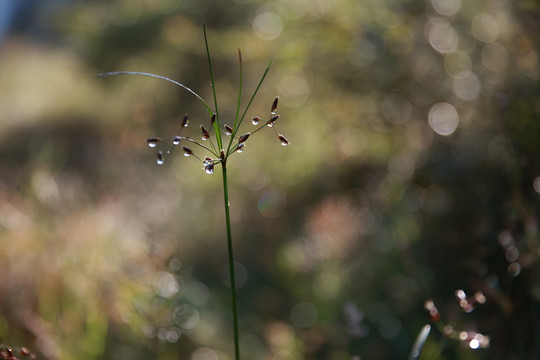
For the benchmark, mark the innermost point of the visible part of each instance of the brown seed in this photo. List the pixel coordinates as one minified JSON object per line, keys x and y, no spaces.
{"x":160,"y":159}
{"x":185,"y":121}
{"x":228,"y":130}
{"x":205,"y":133}
{"x":153,"y":141}
{"x":255,"y":120}
{"x":274,"y":105}
{"x":213,"y":119}
{"x":272,"y":121}
{"x":187,"y":151}
{"x":243,"y":138}
{"x":283,"y":140}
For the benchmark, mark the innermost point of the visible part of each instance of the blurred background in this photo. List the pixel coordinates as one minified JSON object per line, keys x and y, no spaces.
{"x":412,"y":180}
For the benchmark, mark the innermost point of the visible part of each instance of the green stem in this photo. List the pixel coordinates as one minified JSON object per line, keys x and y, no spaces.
{"x":231,"y":259}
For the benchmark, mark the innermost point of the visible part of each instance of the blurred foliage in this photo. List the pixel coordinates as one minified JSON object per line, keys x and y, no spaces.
{"x":412,"y":173}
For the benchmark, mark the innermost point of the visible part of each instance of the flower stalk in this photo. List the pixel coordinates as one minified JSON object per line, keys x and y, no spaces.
{"x":218,"y":153}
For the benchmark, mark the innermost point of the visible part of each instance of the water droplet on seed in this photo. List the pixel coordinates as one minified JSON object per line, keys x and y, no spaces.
{"x":255,"y":120}
{"x":240,"y":147}
{"x":228,"y":130}
{"x":153,"y":141}
{"x":274,"y":106}
{"x":209,"y":169}
{"x":176,"y":140}
{"x":207,"y":161}
{"x":272,"y":121}
{"x":283,"y":140}
{"x":160,"y":160}
{"x":187,"y":151}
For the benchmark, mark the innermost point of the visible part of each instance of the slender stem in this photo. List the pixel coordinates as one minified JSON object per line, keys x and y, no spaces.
{"x":231,"y":260}
{"x":211,"y":68}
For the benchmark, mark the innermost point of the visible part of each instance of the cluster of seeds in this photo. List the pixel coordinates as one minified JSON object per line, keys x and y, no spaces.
{"x":7,"y":353}
{"x":236,"y":143}
{"x":473,"y":339}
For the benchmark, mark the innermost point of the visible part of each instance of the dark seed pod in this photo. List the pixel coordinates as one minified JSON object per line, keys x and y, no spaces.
{"x":255,"y":120}
{"x":185,"y":121}
{"x":160,"y":159}
{"x":243,"y":138}
{"x":240,"y":147}
{"x":153,"y":141}
{"x":208,"y":160}
{"x":213,"y":119}
{"x":176,"y":140}
{"x":272,"y":121}
{"x":187,"y":151}
{"x":205,"y":133}
{"x":222,"y":155}
{"x":228,"y":130}
{"x":274,"y":105}
{"x":209,"y":169}
{"x":283,"y":140}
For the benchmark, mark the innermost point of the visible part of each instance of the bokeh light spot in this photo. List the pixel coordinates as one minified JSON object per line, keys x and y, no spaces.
{"x":267,"y":25}
{"x":327,"y":285}
{"x":396,"y":108}
{"x":204,"y":353}
{"x":485,"y":28}
{"x":443,"y":118}
{"x":514,"y":269}
{"x":466,"y":87}
{"x":294,"y":90}
{"x":536,"y":184}
{"x":446,"y":7}
{"x":303,"y":315}
{"x":186,"y":316}
{"x":441,"y":35}
{"x":271,"y":203}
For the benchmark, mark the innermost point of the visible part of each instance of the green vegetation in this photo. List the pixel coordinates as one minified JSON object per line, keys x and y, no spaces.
{"x":408,"y":197}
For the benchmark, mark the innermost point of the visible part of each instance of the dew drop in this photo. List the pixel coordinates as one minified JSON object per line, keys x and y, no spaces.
{"x":187,"y":151}
{"x":272,"y":121}
{"x":160,"y":159}
{"x":240,"y":147}
{"x":209,"y":169}
{"x":207,"y":161}
{"x":205,"y":135}
{"x":255,"y":120}
{"x":176,"y":140}
{"x":274,"y":106}
{"x":228,"y":130}
{"x":153,"y":141}
{"x":185,"y":121}
{"x":283,"y":140}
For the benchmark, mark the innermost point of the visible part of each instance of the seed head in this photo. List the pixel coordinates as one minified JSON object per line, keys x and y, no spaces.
{"x":272,"y":120}
{"x":160,"y":159}
{"x":243,"y":138}
{"x":153,"y":141}
{"x":283,"y":140}
{"x":185,"y":121}
{"x":187,"y":151}
{"x":274,"y":106}
{"x":176,"y":140}
{"x":228,"y":130}
{"x":255,"y":120}
{"x":213,"y":119}
{"x":205,"y":133}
